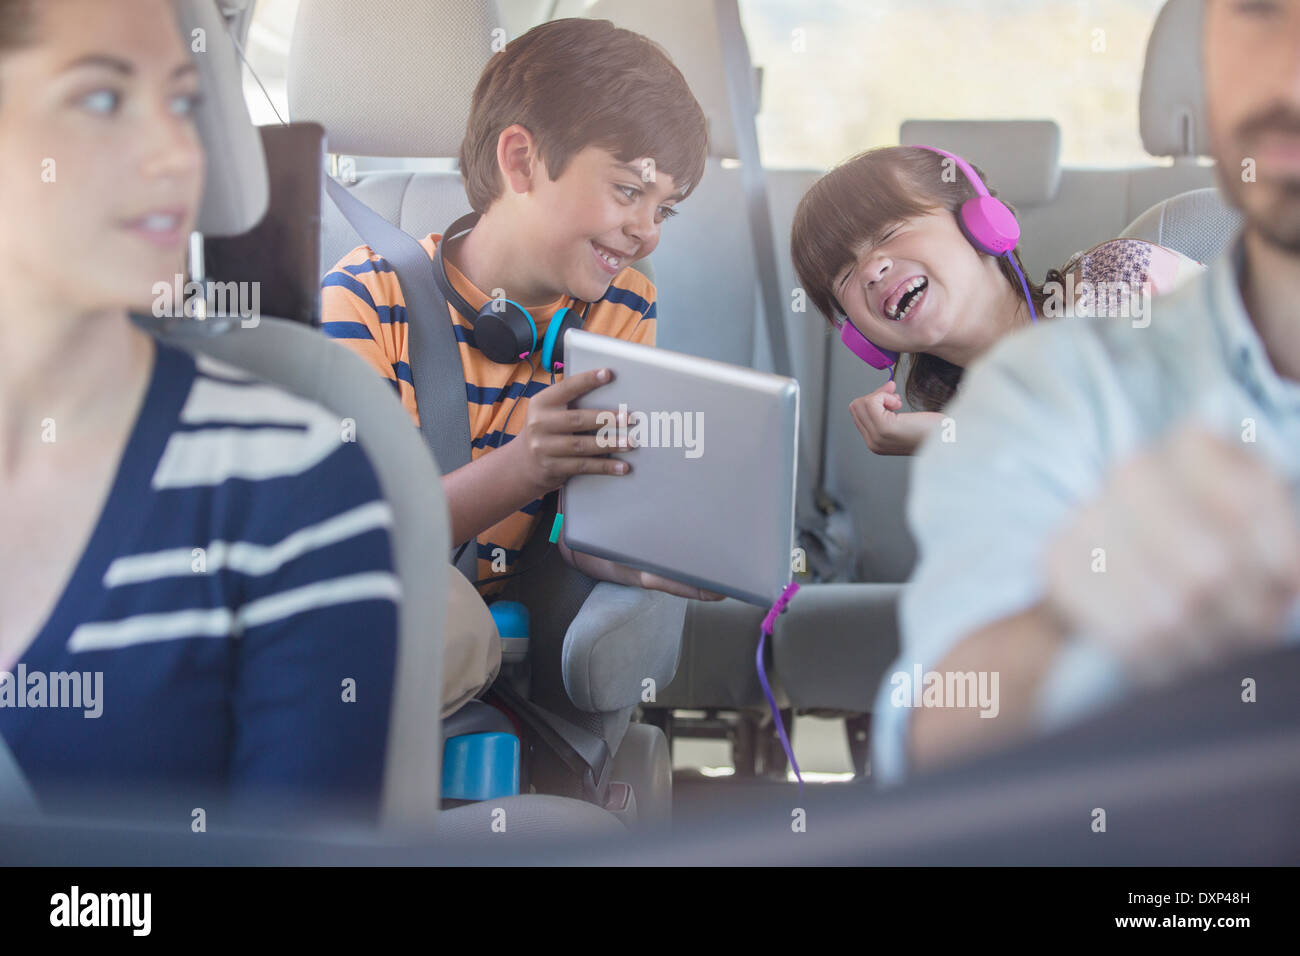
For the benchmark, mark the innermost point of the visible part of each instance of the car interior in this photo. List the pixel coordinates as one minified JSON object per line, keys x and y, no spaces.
{"x":693,"y":770}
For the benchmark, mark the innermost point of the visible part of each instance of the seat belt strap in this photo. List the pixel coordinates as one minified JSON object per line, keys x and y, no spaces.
{"x":436,"y":371}
{"x":739,"y":72}
{"x":585,"y":754}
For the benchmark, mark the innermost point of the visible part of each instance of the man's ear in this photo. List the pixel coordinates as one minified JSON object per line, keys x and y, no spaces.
{"x":517,"y":158}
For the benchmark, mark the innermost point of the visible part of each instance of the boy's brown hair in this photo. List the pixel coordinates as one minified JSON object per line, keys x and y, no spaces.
{"x":857,"y":202}
{"x":575,"y":83}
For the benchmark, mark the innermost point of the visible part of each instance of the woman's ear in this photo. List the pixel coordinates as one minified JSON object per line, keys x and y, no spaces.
{"x":517,"y":157}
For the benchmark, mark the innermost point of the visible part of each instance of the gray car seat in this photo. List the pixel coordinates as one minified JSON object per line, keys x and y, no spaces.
{"x":398,"y":83}
{"x":298,"y":359}
{"x":1198,"y":224}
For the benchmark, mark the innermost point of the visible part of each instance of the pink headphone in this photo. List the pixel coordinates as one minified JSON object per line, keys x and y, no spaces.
{"x":989,"y":226}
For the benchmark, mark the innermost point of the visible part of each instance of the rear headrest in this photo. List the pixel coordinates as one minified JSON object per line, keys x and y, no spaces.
{"x":238,"y":191}
{"x":391,"y":77}
{"x":1172,"y":108}
{"x":688,"y":32}
{"x":1020,"y":158}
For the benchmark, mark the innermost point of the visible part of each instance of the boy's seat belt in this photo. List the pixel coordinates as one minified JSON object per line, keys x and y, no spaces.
{"x":738,"y":72}
{"x":435,"y":356}
{"x":16,"y":797}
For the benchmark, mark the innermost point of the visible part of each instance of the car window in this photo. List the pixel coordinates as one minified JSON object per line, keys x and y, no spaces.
{"x":840,"y":76}
{"x":267,"y":50}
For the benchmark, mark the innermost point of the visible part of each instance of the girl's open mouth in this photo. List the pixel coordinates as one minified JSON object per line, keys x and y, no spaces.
{"x":911,"y":296}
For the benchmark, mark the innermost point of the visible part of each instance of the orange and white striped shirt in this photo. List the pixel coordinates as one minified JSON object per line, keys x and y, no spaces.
{"x":362,"y":306}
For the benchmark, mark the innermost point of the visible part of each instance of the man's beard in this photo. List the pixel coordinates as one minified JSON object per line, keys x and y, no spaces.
{"x":1271,"y":207}
{"x":1272,"y":211}
{"x":1280,"y":225}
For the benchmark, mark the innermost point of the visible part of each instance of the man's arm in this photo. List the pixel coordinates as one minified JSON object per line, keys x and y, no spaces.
{"x":982,"y":504}
{"x":1021,"y":649}
{"x":1202,"y":561}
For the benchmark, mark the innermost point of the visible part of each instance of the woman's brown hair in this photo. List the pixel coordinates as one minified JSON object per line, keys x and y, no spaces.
{"x":855,"y":204}
{"x":16,"y":24}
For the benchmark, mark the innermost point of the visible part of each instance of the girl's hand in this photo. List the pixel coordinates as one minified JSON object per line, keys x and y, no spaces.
{"x":886,"y":430}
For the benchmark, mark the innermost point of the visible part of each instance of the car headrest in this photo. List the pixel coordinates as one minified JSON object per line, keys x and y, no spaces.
{"x":1021,"y":158}
{"x":688,"y":32}
{"x":1199,"y":224}
{"x":238,"y":190}
{"x":391,"y":77}
{"x":1172,"y":107}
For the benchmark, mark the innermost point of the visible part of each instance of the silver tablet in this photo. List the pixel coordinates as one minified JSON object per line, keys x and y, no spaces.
{"x":710,"y":497}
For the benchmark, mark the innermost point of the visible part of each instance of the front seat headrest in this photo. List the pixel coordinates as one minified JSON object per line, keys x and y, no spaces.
{"x":1172,"y":106}
{"x":391,"y":77}
{"x":238,"y":190}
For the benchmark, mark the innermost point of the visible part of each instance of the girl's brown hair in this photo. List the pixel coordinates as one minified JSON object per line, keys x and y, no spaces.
{"x":855,"y":204}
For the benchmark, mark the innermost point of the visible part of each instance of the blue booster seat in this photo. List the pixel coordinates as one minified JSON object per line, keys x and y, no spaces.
{"x":481,"y":750}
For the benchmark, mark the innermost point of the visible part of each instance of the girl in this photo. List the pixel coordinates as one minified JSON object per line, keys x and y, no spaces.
{"x":193,"y":567}
{"x":877,"y":242}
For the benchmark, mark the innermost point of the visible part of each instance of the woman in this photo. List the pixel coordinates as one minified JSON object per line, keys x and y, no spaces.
{"x":877,"y":242}
{"x":197,"y":601}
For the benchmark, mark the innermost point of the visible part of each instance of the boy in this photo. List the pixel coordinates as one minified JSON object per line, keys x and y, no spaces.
{"x":581,"y":140}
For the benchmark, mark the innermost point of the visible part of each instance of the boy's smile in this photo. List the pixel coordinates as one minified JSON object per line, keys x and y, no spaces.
{"x":612,"y":260}
{"x":605,"y":214}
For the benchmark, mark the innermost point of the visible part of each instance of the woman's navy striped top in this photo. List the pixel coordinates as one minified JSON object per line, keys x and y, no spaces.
{"x":238,"y":598}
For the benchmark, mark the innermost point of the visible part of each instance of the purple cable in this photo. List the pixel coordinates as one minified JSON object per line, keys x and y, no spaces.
{"x":769,"y":622}
{"x":1033,"y":315}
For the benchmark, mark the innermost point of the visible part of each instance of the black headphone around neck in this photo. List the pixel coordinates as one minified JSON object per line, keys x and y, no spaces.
{"x":504,"y":330}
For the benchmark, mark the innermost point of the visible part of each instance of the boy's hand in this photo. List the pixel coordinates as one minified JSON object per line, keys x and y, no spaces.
{"x":886,"y":430}
{"x":550,"y":448}
{"x":603,"y":569}
{"x":1201,"y":551}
